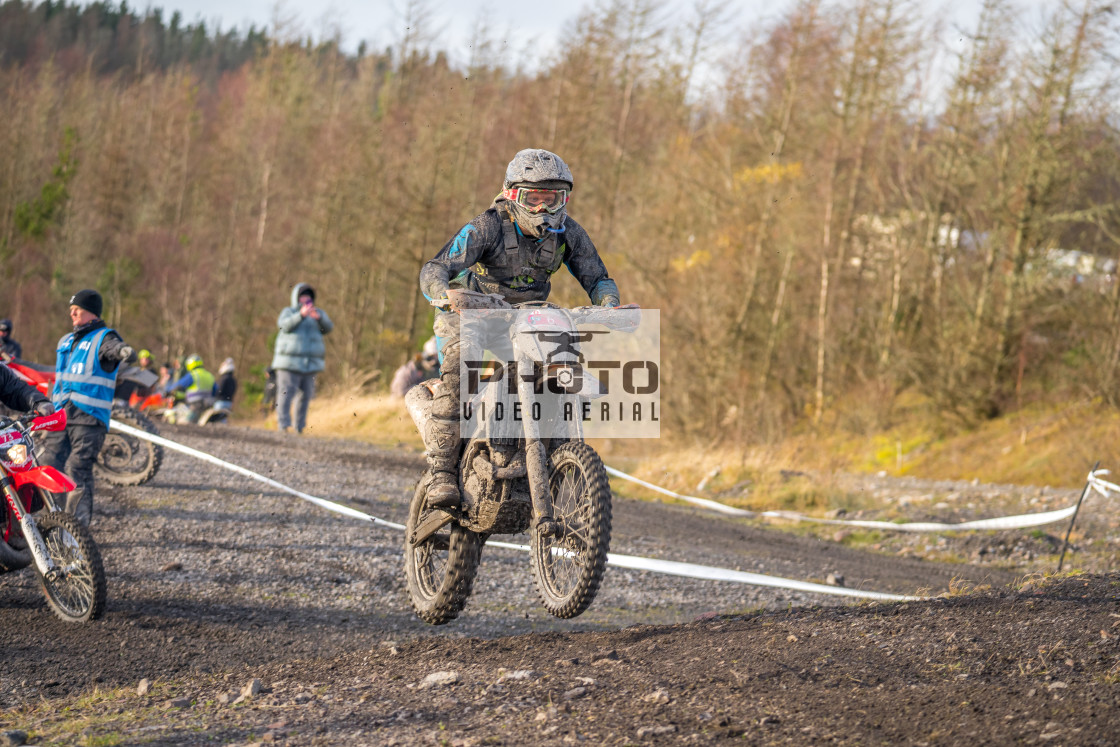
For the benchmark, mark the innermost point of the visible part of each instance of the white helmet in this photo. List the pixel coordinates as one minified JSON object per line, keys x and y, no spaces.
{"x":537,"y":186}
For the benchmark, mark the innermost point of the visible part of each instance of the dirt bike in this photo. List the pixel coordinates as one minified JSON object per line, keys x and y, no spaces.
{"x":123,"y":459}
{"x":512,"y":482}
{"x":62,"y":551}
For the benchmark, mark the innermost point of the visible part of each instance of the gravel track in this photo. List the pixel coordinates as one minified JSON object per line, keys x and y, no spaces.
{"x":216,"y":579}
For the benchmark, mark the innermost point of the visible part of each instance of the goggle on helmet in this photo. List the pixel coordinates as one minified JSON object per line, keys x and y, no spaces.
{"x":536,"y":200}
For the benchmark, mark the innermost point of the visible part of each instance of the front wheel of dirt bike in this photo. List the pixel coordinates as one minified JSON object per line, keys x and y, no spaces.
{"x":568,"y":566}
{"x":440,"y":570}
{"x":126,"y":459}
{"x":78,"y":595}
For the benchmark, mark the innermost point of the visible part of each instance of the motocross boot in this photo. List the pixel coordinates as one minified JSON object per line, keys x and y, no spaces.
{"x":442,"y":429}
{"x":443,"y":460}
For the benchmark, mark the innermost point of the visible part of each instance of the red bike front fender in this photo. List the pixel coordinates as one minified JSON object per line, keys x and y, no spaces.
{"x":47,"y":478}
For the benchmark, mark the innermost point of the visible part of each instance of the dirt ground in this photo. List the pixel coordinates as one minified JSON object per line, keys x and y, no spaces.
{"x":219,"y":589}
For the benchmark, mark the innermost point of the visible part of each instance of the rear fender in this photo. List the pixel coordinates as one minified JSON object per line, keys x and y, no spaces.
{"x":47,"y":478}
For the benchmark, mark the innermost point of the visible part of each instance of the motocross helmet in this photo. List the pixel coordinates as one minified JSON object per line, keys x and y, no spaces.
{"x":430,"y":353}
{"x":193,"y":362}
{"x":537,"y":186}
{"x":5,"y":325}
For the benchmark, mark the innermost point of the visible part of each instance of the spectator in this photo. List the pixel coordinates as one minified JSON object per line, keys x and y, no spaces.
{"x":85,"y":374}
{"x":199,"y":386}
{"x":9,"y":347}
{"x":227,"y":385}
{"x":164,"y":376}
{"x":422,"y":366}
{"x":300,"y":355}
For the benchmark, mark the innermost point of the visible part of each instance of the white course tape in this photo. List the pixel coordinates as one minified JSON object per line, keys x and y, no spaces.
{"x":710,"y":573}
{"x":1020,"y":521}
{"x":713,"y":505}
{"x":329,"y":505}
{"x":1104,"y":487}
{"x":673,"y":568}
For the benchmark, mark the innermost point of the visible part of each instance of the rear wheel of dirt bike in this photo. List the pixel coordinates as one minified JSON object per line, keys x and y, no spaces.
{"x":79,"y":594}
{"x":125,"y":459}
{"x":440,"y":570}
{"x":568,"y":566}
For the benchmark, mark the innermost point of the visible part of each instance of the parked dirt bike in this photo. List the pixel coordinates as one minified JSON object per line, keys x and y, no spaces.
{"x":557,"y":487}
{"x":180,"y":412}
{"x":123,"y":459}
{"x":62,"y":551}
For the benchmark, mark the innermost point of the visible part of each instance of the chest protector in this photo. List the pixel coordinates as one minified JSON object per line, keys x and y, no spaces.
{"x":79,"y":377}
{"x":202,"y":386}
{"x":522,"y":261}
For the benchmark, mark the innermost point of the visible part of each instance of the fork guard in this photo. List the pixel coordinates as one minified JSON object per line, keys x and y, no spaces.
{"x":47,"y":478}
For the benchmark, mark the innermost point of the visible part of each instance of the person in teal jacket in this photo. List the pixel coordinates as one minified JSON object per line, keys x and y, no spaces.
{"x":300,"y":355}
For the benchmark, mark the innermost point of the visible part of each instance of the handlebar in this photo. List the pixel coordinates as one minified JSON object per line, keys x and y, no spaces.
{"x":56,"y":421}
{"x":458,"y":300}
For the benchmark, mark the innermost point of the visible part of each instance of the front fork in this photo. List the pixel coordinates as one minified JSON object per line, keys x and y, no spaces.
{"x":46,"y":567}
{"x":536,"y":468}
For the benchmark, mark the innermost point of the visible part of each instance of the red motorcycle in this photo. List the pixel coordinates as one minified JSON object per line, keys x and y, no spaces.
{"x":36,"y":532}
{"x":123,"y":459}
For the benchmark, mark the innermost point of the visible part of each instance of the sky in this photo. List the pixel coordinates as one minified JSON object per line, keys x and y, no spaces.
{"x":526,"y":27}
{"x":527,"y":30}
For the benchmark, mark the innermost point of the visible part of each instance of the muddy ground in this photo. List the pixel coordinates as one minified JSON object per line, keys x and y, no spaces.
{"x":217,"y":583}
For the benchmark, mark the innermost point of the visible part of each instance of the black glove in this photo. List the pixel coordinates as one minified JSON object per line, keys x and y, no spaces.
{"x":610,"y":301}
{"x":125,"y":352}
{"x":44,"y":408}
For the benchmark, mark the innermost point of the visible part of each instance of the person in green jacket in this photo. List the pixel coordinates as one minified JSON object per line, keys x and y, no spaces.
{"x":300,"y":355}
{"x":199,"y":386}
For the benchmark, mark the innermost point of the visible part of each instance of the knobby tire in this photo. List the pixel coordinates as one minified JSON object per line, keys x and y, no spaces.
{"x":568,"y":569}
{"x":79,"y":596}
{"x":440,"y":570}
{"x":116,"y":443}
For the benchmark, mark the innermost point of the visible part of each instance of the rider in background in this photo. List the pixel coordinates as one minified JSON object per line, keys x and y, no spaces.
{"x":17,"y":395}
{"x":420,"y":367}
{"x":226,"y":386}
{"x":199,"y":386}
{"x":8,"y":346}
{"x":130,"y":386}
{"x":512,"y":249}
{"x":85,"y":375}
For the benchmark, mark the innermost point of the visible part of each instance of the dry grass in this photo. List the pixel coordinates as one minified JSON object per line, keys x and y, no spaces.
{"x":1043,"y":445}
{"x":376,"y":419}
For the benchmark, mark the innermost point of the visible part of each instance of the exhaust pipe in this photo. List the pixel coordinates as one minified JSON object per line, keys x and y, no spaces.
{"x":12,"y":559}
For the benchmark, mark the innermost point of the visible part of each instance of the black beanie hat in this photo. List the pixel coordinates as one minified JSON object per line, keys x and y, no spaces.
{"x":87,"y":299}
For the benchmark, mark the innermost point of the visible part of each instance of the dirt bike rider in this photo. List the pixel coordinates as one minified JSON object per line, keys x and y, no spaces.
{"x":512,"y":249}
{"x":199,"y":385}
{"x":8,"y":346}
{"x":17,"y":395}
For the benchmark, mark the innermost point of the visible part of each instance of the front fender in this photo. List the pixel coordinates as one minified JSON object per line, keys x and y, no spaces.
{"x":47,"y":478}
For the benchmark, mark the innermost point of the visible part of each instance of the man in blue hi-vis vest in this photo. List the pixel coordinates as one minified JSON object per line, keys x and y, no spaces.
{"x":85,"y":376}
